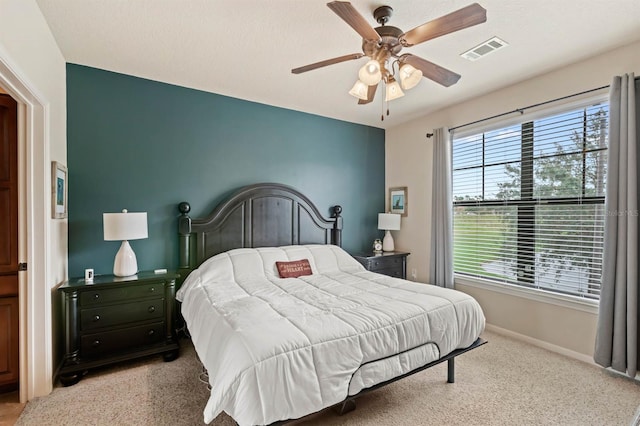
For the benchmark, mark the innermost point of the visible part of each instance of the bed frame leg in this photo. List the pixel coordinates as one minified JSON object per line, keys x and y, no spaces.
{"x":451,"y":374}
{"x":346,"y":406}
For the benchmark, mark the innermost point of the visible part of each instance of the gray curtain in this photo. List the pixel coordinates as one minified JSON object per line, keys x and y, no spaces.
{"x":617,"y":334}
{"x":441,"y":262}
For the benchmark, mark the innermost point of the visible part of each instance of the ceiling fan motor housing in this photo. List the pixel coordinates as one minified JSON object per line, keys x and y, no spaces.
{"x":388,"y":46}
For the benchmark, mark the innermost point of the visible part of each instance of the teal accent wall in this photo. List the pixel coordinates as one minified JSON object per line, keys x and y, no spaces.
{"x":146,"y":146}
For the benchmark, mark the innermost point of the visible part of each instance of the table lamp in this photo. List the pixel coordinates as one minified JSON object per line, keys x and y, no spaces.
{"x":123,"y":227}
{"x":388,"y":222}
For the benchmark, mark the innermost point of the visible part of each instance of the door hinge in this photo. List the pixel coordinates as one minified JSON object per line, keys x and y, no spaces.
{"x":22,"y":266}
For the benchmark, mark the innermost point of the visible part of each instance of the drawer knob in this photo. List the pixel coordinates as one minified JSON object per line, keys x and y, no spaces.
{"x":151,"y":333}
{"x":96,"y":296}
{"x":151,"y":309}
{"x":96,"y":318}
{"x":152,"y":289}
{"x":96,"y":343}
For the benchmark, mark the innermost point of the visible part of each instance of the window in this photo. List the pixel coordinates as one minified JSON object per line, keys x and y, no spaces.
{"x":528,"y":202}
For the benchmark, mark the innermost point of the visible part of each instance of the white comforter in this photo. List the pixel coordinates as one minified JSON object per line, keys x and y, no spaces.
{"x":279,"y":349}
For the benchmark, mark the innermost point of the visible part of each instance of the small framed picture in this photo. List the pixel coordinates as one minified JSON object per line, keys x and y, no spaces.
{"x":398,"y":200}
{"x":58,"y":190}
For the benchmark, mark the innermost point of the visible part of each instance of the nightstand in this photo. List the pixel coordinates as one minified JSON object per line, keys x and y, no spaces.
{"x":116,"y":319}
{"x":392,"y":263}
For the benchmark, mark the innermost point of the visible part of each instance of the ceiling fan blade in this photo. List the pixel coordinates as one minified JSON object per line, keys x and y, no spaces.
{"x":463,"y":18}
{"x":324,"y":63}
{"x":432,"y":71}
{"x":350,"y":15}
{"x":371,"y":93}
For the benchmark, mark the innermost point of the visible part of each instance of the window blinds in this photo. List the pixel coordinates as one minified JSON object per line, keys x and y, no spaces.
{"x":529,"y":202}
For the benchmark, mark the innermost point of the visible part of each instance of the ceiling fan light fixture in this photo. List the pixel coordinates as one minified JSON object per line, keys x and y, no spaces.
{"x":409,"y":76}
{"x":359,"y":90}
{"x":382,"y":46}
{"x":393,"y":90}
{"x":370,"y":73}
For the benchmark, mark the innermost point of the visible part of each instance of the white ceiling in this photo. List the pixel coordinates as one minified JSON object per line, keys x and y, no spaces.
{"x":247,"y":48}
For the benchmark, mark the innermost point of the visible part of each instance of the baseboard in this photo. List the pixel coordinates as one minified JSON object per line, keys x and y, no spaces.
{"x":624,"y":376}
{"x":557,"y":349}
{"x":542,"y":344}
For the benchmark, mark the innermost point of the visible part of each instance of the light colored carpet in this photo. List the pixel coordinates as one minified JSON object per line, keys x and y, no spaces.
{"x":505,"y":382}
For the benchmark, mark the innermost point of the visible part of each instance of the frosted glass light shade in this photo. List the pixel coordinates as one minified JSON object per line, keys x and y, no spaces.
{"x":409,"y":76}
{"x":359,"y":90}
{"x":389,"y":221}
{"x":370,"y":73}
{"x":393,"y":90}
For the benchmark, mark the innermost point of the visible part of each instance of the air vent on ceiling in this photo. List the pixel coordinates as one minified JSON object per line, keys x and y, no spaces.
{"x":484,"y":49}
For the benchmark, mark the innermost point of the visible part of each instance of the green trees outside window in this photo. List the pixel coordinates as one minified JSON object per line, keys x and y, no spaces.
{"x":529,"y":202}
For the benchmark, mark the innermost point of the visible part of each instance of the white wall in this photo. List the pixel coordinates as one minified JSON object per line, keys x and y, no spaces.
{"x":409,"y":163}
{"x":33,"y":71}
{"x":27,"y":43}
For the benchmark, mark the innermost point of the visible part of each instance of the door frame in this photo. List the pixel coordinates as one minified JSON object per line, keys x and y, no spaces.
{"x":34,"y":299}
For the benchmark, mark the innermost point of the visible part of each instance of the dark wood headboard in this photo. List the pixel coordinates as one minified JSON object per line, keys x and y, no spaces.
{"x":260,"y":215}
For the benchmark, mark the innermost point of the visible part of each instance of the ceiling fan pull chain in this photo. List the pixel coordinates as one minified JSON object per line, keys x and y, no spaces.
{"x":382,"y":109}
{"x":383,"y":102}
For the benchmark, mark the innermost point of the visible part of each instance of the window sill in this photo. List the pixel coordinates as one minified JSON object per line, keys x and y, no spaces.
{"x":565,"y":301}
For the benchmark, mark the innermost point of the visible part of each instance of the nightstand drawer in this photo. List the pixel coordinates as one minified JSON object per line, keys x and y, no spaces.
{"x":392,"y":272}
{"x":121,"y":293}
{"x":113,"y":341}
{"x":123,"y":313}
{"x":384,"y":262}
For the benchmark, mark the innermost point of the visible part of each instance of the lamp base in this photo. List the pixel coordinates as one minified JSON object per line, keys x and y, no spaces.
{"x":387,"y":242}
{"x":125,"y":263}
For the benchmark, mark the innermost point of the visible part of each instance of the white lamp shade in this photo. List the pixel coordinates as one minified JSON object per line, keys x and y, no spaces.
{"x":370,"y":73}
{"x":359,"y":90}
{"x":393,"y":90}
{"x":409,"y":76}
{"x":124,"y":226}
{"x":389,"y":221}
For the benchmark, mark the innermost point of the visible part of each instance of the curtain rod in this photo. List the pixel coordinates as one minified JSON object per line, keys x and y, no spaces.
{"x":521,"y":110}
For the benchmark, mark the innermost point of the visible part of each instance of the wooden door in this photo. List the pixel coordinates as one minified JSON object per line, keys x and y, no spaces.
{"x":9,"y":361}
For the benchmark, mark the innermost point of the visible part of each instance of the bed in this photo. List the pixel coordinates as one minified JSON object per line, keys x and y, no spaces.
{"x":281,"y":348}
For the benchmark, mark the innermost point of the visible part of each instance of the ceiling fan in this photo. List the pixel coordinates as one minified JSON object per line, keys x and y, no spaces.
{"x":383,"y":45}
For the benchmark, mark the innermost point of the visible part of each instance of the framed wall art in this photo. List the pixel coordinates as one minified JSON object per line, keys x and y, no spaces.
{"x":58,"y":190}
{"x":398,"y":201}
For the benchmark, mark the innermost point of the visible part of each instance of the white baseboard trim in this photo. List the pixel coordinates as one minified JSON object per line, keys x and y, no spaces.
{"x":542,"y":344}
{"x":557,"y":349}
{"x":617,"y":373}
